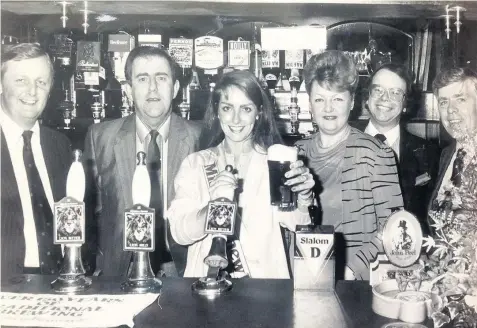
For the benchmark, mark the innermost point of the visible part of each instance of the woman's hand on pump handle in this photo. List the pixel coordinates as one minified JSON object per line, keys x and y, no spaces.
{"x":301,"y":180}
{"x":223,"y":185}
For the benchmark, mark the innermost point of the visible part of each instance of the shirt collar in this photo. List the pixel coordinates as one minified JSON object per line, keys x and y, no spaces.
{"x":142,"y":130}
{"x":13,"y":131}
{"x":391,"y":136}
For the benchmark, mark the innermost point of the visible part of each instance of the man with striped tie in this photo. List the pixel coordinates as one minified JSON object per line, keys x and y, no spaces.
{"x":35,"y":164}
{"x":110,"y":155}
{"x":416,"y":158}
{"x":456,"y":92}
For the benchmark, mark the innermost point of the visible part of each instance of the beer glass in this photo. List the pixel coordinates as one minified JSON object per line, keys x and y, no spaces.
{"x":279,"y":159}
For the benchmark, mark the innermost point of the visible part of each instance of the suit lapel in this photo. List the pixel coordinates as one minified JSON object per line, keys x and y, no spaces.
{"x":447,"y":154}
{"x":407,"y":165}
{"x":124,"y":147}
{"x":11,"y":203}
{"x":54,"y":161}
{"x":178,"y":148}
{"x":444,"y":163}
{"x":125,"y":156}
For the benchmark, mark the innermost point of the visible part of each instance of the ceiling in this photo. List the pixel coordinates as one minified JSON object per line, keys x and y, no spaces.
{"x":302,"y":8}
{"x":199,"y":17}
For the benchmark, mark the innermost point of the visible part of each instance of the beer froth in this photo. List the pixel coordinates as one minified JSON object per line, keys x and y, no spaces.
{"x":281,"y":153}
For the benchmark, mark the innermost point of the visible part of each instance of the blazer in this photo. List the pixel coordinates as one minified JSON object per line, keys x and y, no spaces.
{"x":110,"y":161}
{"x":444,"y":162}
{"x":258,"y":228}
{"x":418,"y":158}
{"x":57,"y":154}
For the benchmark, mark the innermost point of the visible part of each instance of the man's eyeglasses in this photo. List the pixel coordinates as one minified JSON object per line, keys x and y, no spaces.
{"x":395,"y":94}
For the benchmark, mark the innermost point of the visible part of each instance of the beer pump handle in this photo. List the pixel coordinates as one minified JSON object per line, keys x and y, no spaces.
{"x":315,"y":214}
{"x":76,"y":181}
{"x":141,"y":185}
{"x":217,"y":257}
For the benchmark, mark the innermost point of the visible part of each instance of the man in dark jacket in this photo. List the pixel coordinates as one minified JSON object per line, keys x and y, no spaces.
{"x":416,"y":158}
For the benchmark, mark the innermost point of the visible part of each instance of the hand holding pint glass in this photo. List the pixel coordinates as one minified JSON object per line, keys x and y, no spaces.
{"x":290,"y":181}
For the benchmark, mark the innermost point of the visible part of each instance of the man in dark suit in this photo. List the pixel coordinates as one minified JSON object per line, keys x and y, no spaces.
{"x":110,"y":154}
{"x":456,"y":92}
{"x":416,"y":158}
{"x":35,"y":164}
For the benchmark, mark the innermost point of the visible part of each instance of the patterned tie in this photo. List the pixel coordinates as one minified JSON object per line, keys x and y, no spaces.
{"x":154,"y":167}
{"x":49,"y":253}
{"x":161,"y":253}
{"x":458,"y":168}
{"x":381,"y":137}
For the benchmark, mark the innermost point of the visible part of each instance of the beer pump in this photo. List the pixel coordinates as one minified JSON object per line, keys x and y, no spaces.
{"x":215,"y":283}
{"x":69,"y":230}
{"x":139,"y":234}
{"x":294,"y":110}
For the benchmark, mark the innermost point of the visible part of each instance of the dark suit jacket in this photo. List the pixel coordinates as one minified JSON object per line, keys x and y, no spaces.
{"x":445,"y":161}
{"x":110,"y":155}
{"x":57,"y":153}
{"x":417,"y":157}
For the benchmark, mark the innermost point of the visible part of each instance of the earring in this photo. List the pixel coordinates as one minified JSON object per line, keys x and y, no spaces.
{"x":256,"y":118}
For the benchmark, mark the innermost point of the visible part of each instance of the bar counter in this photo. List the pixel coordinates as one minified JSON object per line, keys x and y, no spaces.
{"x":252,"y":303}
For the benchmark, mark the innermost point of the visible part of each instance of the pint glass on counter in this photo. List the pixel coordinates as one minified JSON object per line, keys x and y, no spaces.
{"x":279,"y":159}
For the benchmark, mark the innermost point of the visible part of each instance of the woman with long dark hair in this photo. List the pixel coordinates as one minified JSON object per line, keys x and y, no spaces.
{"x":240,"y":128}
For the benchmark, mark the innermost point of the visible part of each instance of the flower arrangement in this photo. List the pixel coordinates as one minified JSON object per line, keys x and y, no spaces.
{"x":452,"y":251}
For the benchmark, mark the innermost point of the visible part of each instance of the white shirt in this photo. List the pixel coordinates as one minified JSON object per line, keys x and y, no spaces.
{"x":13,"y":137}
{"x":142,"y":143}
{"x":393,"y":136}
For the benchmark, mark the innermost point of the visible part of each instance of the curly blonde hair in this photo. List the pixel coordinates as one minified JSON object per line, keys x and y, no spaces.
{"x":332,"y":70}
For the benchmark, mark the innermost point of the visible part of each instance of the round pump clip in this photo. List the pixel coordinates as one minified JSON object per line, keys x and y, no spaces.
{"x":402,"y":238}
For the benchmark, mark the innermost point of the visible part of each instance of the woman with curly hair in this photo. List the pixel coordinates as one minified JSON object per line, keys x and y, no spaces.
{"x":358,"y":182}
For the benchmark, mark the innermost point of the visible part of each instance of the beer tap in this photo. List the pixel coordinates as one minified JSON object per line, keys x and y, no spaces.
{"x":125,"y":106}
{"x":215,"y":283}
{"x":96,"y":109}
{"x":72,"y":274}
{"x":140,"y":277}
{"x":66,"y":106}
{"x":293,"y":111}
{"x":184,"y":106}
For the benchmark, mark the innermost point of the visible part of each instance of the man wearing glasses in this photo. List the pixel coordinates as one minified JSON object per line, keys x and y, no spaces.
{"x":416,"y":158}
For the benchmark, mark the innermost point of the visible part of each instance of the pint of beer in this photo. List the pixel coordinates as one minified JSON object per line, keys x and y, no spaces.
{"x":279,"y":159}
